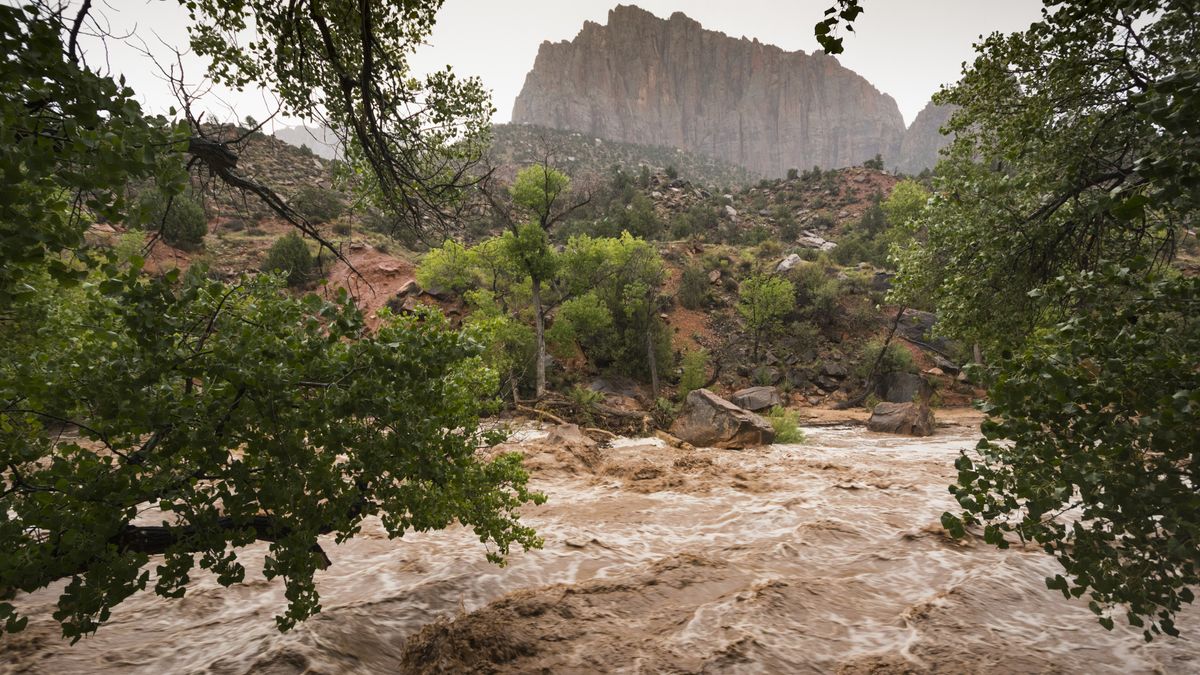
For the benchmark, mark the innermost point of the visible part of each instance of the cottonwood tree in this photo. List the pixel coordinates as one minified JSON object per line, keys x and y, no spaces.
{"x":537,"y":200}
{"x":178,"y":416}
{"x":604,"y":293}
{"x":763,"y":301}
{"x":614,"y":286}
{"x":1073,"y":176}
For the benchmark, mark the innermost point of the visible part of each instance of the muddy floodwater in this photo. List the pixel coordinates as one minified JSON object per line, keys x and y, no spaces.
{"x":821,"y":557}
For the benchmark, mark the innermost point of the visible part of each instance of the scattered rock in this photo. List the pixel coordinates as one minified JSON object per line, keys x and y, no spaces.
{"x":410,"y":287}
{"x":827,"y":383}
{"x":788,"y":263}
{"x":714,"y":276}
{"x":810,"y":239}
{"x":708,"y":420}
{"x":834,"y":370}
{"x":730,"y":211}
{"x":911,"y":419}
{"x":756,"y":398}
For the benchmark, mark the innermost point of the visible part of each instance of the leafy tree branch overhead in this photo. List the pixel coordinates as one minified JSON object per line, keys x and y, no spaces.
{"x":178,"y":416}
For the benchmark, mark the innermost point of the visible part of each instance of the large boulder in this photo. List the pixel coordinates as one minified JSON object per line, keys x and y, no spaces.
{"x":756,"y":398}
{"x":709,"y":421}
{"x":834,"y":370}
{"x":911,"y":419}
{"x":788,"y":263}
{"x":904,"y":387}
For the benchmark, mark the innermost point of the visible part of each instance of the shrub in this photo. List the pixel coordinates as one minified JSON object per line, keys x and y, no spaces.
{"x":341,"y":227}
{"x":663,"y":412}
{"x":585,"y":401}
{"x":290,"y":255}
{"x":896,"y":359}
{"x":318,"y":205}
{"x":786,"y":425}
{"x":793,"y":174}
{"x":672,"y":172}
{"x":693,"y":287}
{"x":695,"y":372}
{"x":180,"y":219}
{"x":803,"y":336}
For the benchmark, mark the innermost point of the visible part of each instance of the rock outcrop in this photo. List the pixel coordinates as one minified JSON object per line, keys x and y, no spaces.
{"x":921,"y":142}
{"x":642,"y":79}
{"x":911,"y":419}
{"x":709,"y":421}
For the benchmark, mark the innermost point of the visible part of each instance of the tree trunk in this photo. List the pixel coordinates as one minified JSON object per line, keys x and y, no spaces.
{"x":540,"y":328}
{"x":652,"y":361}
{"x":978,"y":354}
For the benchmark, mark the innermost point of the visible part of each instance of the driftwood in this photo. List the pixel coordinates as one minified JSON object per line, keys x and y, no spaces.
{"x":550,"y":416}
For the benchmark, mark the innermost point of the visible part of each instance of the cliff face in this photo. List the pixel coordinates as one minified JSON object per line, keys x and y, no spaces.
{"x":920,"y":144}
{"x":641,"y":79}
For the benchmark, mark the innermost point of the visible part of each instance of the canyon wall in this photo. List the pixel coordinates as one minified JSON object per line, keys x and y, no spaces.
{"x":642,"y":79}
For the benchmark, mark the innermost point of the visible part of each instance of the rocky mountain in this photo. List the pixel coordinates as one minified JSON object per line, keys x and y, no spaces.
{"x":319,"y":139}
{"x":642,"y":79}
{"x":921,"y":142}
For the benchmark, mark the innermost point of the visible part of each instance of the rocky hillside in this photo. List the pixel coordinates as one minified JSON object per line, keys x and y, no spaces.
{"x":517,"y":145}
{"x":642,"y":79}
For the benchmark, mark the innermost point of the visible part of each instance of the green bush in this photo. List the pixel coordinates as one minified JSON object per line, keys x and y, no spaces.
{"x":695,"y":372}
{"x":585,"y":401}
{"x":897,"y":359}
{"x":693,"y":287}
{"x":318,"y":205}
{"x":290,"y":255}
{"x":180,"y":219}
{"x":786,"y":425}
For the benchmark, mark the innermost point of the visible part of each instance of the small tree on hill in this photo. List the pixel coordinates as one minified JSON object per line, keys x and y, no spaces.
{"x":318,"y":204}
{"x":763,"y":302}
{"x":290,"y":255}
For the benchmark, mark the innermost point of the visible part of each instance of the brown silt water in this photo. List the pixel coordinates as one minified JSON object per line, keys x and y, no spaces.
{"x":821,"y":557}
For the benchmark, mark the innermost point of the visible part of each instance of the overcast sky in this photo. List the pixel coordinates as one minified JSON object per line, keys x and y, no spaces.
{"x":906,"y":48}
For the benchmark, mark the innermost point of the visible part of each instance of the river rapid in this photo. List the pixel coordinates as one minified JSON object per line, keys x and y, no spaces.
{"x":820,"y":557}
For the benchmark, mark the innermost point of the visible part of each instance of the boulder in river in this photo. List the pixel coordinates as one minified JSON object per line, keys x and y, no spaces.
{"x":756,"y":398}
{"x":904,"y":387}
{"x":910,"y":419}
{"x":710,"y":421}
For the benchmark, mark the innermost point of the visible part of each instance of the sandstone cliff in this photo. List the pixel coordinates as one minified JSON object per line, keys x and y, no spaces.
{"x":921,"y":143}
{"x":642,"y":79}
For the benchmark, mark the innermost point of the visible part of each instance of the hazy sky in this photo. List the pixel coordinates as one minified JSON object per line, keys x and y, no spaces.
{"x":906,"y":48}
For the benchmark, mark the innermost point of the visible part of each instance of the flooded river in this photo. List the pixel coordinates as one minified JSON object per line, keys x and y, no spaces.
{"x":821,"y":557}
